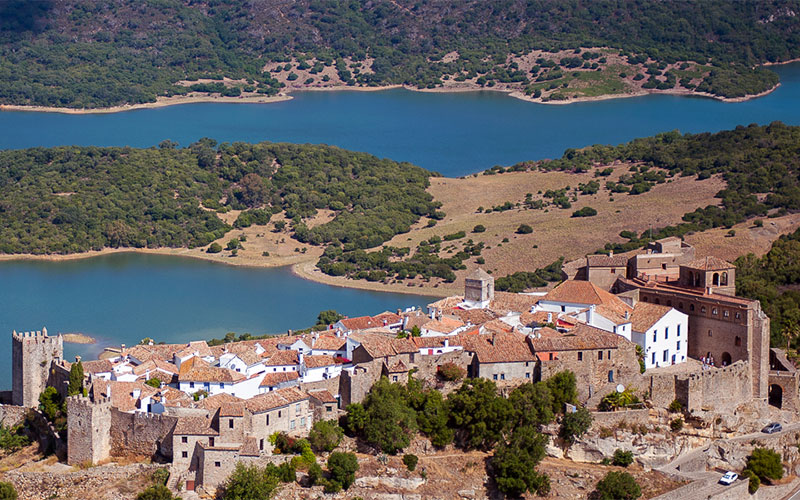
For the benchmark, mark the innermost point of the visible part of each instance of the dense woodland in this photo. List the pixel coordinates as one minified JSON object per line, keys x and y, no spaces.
{"x":92,"y":53}
{"x":74,"y":199}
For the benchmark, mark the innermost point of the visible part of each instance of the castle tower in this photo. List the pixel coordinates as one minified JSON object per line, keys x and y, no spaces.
{"x":710,"y":273}
{"x":32,"y":355}
{"x":88,"y":430}
{"x":479,"y":287}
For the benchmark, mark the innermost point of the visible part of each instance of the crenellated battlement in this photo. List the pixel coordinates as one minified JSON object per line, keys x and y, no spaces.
{"x":84,"y":402}
{"x":33,"y":353}
{"x":36,"y":337}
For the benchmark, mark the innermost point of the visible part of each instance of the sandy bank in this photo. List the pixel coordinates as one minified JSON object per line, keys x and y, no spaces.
{"x":78,"y":338}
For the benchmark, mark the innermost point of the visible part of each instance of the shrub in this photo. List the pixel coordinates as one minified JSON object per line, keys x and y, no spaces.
{"x":154,"y":382}
{"x":314,"y":474}
{"x":480,"y":228}
{"x":214,"y":248}
{"x":451,"y":372}
{"x":249,"y":483}
{"x":455,"y":236}
{"x":410,"y":461}
{"x":675,"y":406}
{"x":622,"y":458}
{"x":765,"y":464}
{"x":524,"y":229}
{"x":7,"y":491}
{"x":574,"y":425}
{"x":325,"y":436}
{"x":676,"y":424}
{"x":12,"y":438}
{"x":585,"y":212}
{"x":233,"y":244}
{"x":617,"y":486}
{"x":161,"y":476}
{"x":343,"y":468}
{"x":154,"y":492}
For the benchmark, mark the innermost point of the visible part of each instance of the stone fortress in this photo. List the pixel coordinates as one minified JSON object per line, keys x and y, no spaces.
{"x":212,"y":406}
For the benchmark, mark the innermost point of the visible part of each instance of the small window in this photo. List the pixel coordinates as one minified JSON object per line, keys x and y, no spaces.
{"x":613,"y":271}
{"x":738,"y":316}
{"x":653,"y":359}
{"x":267,"y":419}
{"x":211,"y":441}
{"x":261,"y":445}
{"x":610,"y":375}
{"x":663,"y":268}
{"x":703,"y":309}
{"x":494,"y":377}
{"x":191,"y":385}
{"x":666,"y":333}
{"x":737,"y":341}
{"x":580,"y":356}
{"x":184,"y":454}
{"x":714,"y":311}
{"x":303,"y":421}
{"x":329,"y":408}
{"x":230,"y":423}
{"x":725,"y":314}
{"x":563,"y":309}
{"x":279,"y":413}
{"x":600,"y":355}
{"x":292,"y":424}
{"x":691,"y":307}
{"x":655,"y":335}
{"x":222,"y":385}
{"x":394,"y":378}
{"x":710,"y":334}
{"x":609,"y":355}
{"x":502,"y":376}
{"x":678,"y":346}
{"x":184,"y":439}
{"x":527,"y":375}
{"x":679,"y":330}
{"x":551,"y":356}
{"x":297,"y":409}
{"x":666,"y":355}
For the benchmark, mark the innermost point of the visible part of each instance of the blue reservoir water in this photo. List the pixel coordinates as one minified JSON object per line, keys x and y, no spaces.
{"x":455,"y":134}
{"x":126,"y":297}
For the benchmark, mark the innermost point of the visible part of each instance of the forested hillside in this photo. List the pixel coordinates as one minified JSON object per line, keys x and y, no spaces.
{"x":91,"y":53}
{"x":74,"y":199}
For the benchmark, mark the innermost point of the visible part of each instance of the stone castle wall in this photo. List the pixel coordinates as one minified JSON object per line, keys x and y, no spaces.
{"x":141,"y":434}
{"x":32,"y":355}
{"x":89,"y":429}
{"x":11,"y":415}
{"x":719,"y":389}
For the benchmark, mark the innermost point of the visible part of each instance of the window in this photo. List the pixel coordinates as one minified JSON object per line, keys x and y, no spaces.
{"x":663,"y":267}
{"x":191,"y":385}
{"x":297,"y":409}
{"x":666,"y":333}
{"x":527,"y":375}
{"x":691,"y":307}
{"x":580,"y":356}
{"x":329,"y":408}
{"x":184,"y":439}
{"x":184,"y":454}
{"x":610,"y":375}
{"x":211,"y":441}
{"x":217,"y":464}
{"x":655,"y":335}
{"x":600,"y":355}
{"x":394,"y":378}
{"x":613,"y":271}
{"x":279,"y":413}
{"x":609,"y":355}
{"x":666,"y":355}
{"x":678,"y":346}
{"x":494,"y":377}
{"x":709,"y":334}
{"x":230,"y":423}
{"x":738,"y":316}
{"x":502,"y":376}
{"x":714,"y":311}
{"x":206,"y":385}
{"x":725,"y":314}
{"x":679,"y":330}
{"x":527,"y":363}
{"x":292,"y":424}
{"x":551,"y":356}
{"x":261,"y":445}
{"x":267,"y":419}
{"x":563,"y":309}
{"x":703,"y":309}
{"x":303,"y":422}
{"x":737,"y":341}
{"x":669,"y":303}
{"x":222,"y":385}
{"x":653,"y":360}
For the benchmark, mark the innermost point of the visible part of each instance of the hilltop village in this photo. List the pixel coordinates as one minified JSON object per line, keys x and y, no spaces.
{"x":663,"y":322}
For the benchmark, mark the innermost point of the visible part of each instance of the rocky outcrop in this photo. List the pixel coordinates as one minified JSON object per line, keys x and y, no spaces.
{"x":92,"y":483}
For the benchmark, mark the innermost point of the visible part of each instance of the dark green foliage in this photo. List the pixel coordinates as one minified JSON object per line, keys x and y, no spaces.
{"x":13,"y":439}
{"x":314,"y":474}
{"x":161,"y":476}
{"x":342,"y":468}
{"x":356,"y":418}
{"x":479,"y":413}
{"x":325,"y":435}
{"x":75,"y":379}
{"x":410,"y":461}
{"x":753,"y":482}
{"x":455,"y":236}
{"x":249,"y":483}
{"x":675,"y":406}
{"x":51,"y":405}
{"x":479,"y":228}
{"x":676,"y":424}
{"x":514,"y":463}
{"x":156,"y":492}
{"x":563,"y":389}
{"x":154,"y":382}
{"x":765,"y":464}
{"x":585,"y":212}
{"x":532,"y":404}
{"x":622,"y":458}
{"x":616,"y":486}
{"x":433,"y":414}
{"x":574,"y":425}
{"x":214,"y":248}
{"x":75,"y":199}
{"x":390,"y":422}
{"x":286,"y":472}
{"x":7,"y":491}
{"x":328,"y":317}
{"x":616,"y":399}
{"x":524,"y":229}
{"x":522,"y":280}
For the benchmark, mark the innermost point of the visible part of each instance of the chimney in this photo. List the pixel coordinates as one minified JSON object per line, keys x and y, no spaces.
{"x":136,"y":393}
{"x":627,"y":314}
{"x":709,"y":290}
{"x":491,"y":340}
{"x":549,"y":317}
{"x":405,"y":322}
{"x":590,"y":315}
{"x":611,"y":253}
{"x":446,"y":343}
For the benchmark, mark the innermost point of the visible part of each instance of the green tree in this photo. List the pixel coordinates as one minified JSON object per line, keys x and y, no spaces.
{"x":50,"y":403}
{"x":156,"y":492}
{"x":7,"y":491}
{"x":75,"y":379}
{"x":479,"y":413}
{"x":214,"y":248}
{"x":12,"y":439}
{"x":514,"y":463}
{"x":532,"y":404}
{"x":574,"y":425}
{"x":328,"y":317}
{"x":432,"y":413}
{"x":765,"y":464}
{"x":325,"y":435}
{"x":524,"y":229}
{"x":410,"y":461}
{"x":249,"y":482}
{"x":622,"y":458}
{"x":616,"y":486}
{"x":154,"y":382}
{"x":390,"y":422}
{"x":564,"y":389}
{"x":356,"y":418}
{"x":343,"y":468}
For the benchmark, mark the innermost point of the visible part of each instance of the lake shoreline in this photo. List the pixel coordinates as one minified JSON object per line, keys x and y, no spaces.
{"x":302,"y":268}
{"x":162,"y":102}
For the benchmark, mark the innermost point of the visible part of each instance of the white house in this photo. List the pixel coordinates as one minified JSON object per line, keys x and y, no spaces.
{"x":429,"y":346}
{"x":283,"y":361}
{"x":661,"y":331}
{"x":327,"y":344}
{"x":316,"y":368}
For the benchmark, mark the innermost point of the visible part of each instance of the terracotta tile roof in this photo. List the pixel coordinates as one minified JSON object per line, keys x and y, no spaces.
{"x":538,"y":317}
{"x":390,"y":318}
{"x":154,"y":365}
{"x":97,"y":366}
{"x":160,"y":351}
{"x":499,"y":348}
{"x":379,"y":346}
{"x":273,"y":379}
{"x":585,"y":292}
{"x":212,"y":403}
{"x":322,"y":396}
{"x":194,"y":426}
{"x":506,"y":302}
{"x":397,"y":367}
{"x":612,"y":313}
{"x":645,"y":315}
{"x":412,"y":320}
{"x":282,"y":358}
{"x":249,"y":448}
{"x":361,"y":323}
{"x":269,"y":344}
{"x":582,"y":337}
{"x":275,"y":399}
{"x":496,"y":326}
{"x":314,"y":361}
{"x":689,"y":291}
{"x":444,"y":325}
{"x":329,"y":343}
{"x":169,"y":396}
{"x":437,"y":341}
{"x":246,"y":353}
{"x":122,"y":393}
{"x":474,"y":316}
{"x":196,"y":370}
{"x":446,"y":303}
{"x":601,"y":260}
{"x":479,"y":274}
{"x":710,"y":263}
